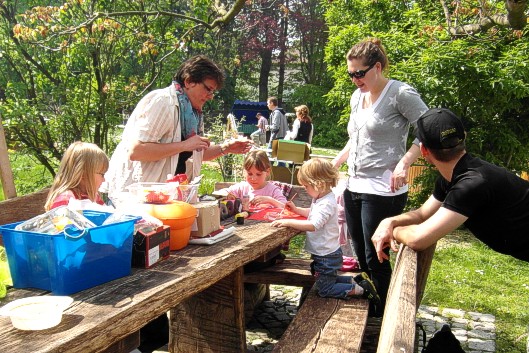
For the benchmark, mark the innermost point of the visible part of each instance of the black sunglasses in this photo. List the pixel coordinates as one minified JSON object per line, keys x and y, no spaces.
{"x":360,"y":73}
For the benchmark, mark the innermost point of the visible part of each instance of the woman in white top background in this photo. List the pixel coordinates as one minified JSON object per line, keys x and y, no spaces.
{"x":302,"y":128}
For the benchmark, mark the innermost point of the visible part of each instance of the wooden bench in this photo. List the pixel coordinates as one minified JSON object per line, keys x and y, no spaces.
{"x":334,"y":325}
{"x":325,"y":325}
{"x":23,"y":207}
{"x":291,"y":272}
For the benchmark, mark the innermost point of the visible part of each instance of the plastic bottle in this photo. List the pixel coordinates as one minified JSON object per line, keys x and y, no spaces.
{"x":246,"y":203}
{"x":103,"y":191}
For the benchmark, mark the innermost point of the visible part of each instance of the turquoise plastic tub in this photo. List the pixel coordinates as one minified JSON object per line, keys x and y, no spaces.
{"x":65,"y":264}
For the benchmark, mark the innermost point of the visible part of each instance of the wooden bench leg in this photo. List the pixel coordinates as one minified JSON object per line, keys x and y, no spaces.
{"x":125,"y":345}
{"x":212,"y":320}
{"x":304,"y":292}
{"x":267,"y":295}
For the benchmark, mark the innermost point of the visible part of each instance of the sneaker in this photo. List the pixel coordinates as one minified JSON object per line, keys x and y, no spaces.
{"x":370,"y":292}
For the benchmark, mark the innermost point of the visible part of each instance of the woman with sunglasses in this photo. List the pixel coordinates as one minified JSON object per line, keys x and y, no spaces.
{"x":382,"y":111}
{"x":167,"y":128}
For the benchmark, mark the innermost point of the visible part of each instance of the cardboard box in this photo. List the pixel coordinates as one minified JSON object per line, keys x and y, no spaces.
{"x":208,"y":218}
{"x":287,"y":175}
{"x":151,"y":245}
{"x":292,"y":151}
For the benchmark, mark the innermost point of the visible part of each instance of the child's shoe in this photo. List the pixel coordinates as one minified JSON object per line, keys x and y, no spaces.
{"x":370,"y":292}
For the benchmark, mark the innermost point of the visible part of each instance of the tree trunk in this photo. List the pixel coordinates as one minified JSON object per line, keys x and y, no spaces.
{"x":282,"y":56}
{"x":266,"y":66}
{"x":6,"y":173}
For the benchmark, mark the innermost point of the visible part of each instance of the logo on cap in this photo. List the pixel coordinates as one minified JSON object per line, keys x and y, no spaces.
{"x":440,"y":128}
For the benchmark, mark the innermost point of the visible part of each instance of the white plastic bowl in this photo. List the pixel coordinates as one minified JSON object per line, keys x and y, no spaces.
{"x":36,"y":313}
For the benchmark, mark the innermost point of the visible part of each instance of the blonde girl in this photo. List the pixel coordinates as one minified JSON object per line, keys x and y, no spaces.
{"x":318,"y":176}
{"x":80,"y":175}
{"x":257,"y":186}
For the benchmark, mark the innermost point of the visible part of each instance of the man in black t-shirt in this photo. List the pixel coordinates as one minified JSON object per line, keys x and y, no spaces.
{"x":492,"y":202}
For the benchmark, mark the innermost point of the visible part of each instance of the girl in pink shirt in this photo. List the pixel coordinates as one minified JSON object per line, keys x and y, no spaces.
{"x":257,"y":186}
{"x":80,"y":175}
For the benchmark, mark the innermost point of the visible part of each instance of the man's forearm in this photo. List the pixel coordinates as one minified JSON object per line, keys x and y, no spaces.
{"x":406,"y":219}
{"x":153,"y":151}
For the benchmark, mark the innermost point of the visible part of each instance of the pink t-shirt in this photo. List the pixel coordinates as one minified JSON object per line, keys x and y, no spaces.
{"x":64,"y":198}
{"x":243,"y":188}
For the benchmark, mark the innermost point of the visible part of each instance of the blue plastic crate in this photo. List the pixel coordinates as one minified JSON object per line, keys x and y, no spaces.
{"x":65,"y":265}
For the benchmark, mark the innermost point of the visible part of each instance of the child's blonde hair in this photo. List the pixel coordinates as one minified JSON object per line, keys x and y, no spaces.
{"x":318,"y":173}
{"x":258,"y":159}
{"x":79,"y":166}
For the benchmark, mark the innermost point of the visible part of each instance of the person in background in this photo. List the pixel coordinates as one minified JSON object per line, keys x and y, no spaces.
{"x":318,"y":176}
{"x":257,"y":186}
{"x":259,"y":135}
{"x":80,"y":175}
{"x":382,"y":111}
{"x":167,"y":128}
{"x":302,"y":128}
{"x":278,"y":121}
{"x":492,"y":202}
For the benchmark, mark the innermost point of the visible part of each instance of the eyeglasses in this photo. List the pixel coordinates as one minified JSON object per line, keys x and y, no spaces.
{"x":211,"y":91}
{"x":360,"y":73}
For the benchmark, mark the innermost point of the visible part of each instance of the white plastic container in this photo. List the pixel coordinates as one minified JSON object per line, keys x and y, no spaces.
{"x":188,"y":193}
{"x":159,"y":193}
{"x":36,"y":313}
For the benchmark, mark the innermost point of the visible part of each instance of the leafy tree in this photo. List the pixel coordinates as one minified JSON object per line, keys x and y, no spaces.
{"x":323,"y":116}
{"x":70,"y":69}
{"x":262,"y":36}
{"x":481,"y":75}
{"x":309,"y":37}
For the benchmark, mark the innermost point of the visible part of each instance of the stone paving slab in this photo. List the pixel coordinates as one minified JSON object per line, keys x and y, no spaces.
{"x":475,"y":331}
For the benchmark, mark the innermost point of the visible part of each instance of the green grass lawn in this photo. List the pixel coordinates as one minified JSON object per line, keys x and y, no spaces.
{"x":467,"y":275}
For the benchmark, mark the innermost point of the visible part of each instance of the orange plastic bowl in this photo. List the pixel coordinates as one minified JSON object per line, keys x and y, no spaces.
{"x":179,"y":216}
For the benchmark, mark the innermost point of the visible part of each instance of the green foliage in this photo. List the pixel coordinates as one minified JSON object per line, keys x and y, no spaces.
{"x":425,"y":183}
{"x":230,"y":165}
{"x":328,"y":132}
{"x":68,"y":71}
{"x":296,"y":247}
{"x":29,"y":175}
{"x":483,"y":78}
{"x":211,"y":175}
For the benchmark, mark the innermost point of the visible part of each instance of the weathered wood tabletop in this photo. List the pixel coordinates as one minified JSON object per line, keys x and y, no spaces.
{"x":201,"y":286}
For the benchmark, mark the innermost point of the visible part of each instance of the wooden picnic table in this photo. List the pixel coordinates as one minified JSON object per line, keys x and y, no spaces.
{"x":201,"y":286}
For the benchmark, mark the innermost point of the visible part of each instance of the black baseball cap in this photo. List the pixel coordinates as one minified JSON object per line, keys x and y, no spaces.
{"x":439,"y":128}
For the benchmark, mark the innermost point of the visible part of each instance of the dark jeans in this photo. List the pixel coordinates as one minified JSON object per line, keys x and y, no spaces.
{"x":325,"y":269}
{"x":363,"y":213}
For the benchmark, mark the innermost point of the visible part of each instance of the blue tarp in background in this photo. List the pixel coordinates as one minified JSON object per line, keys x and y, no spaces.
{"x":249,"y":109}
